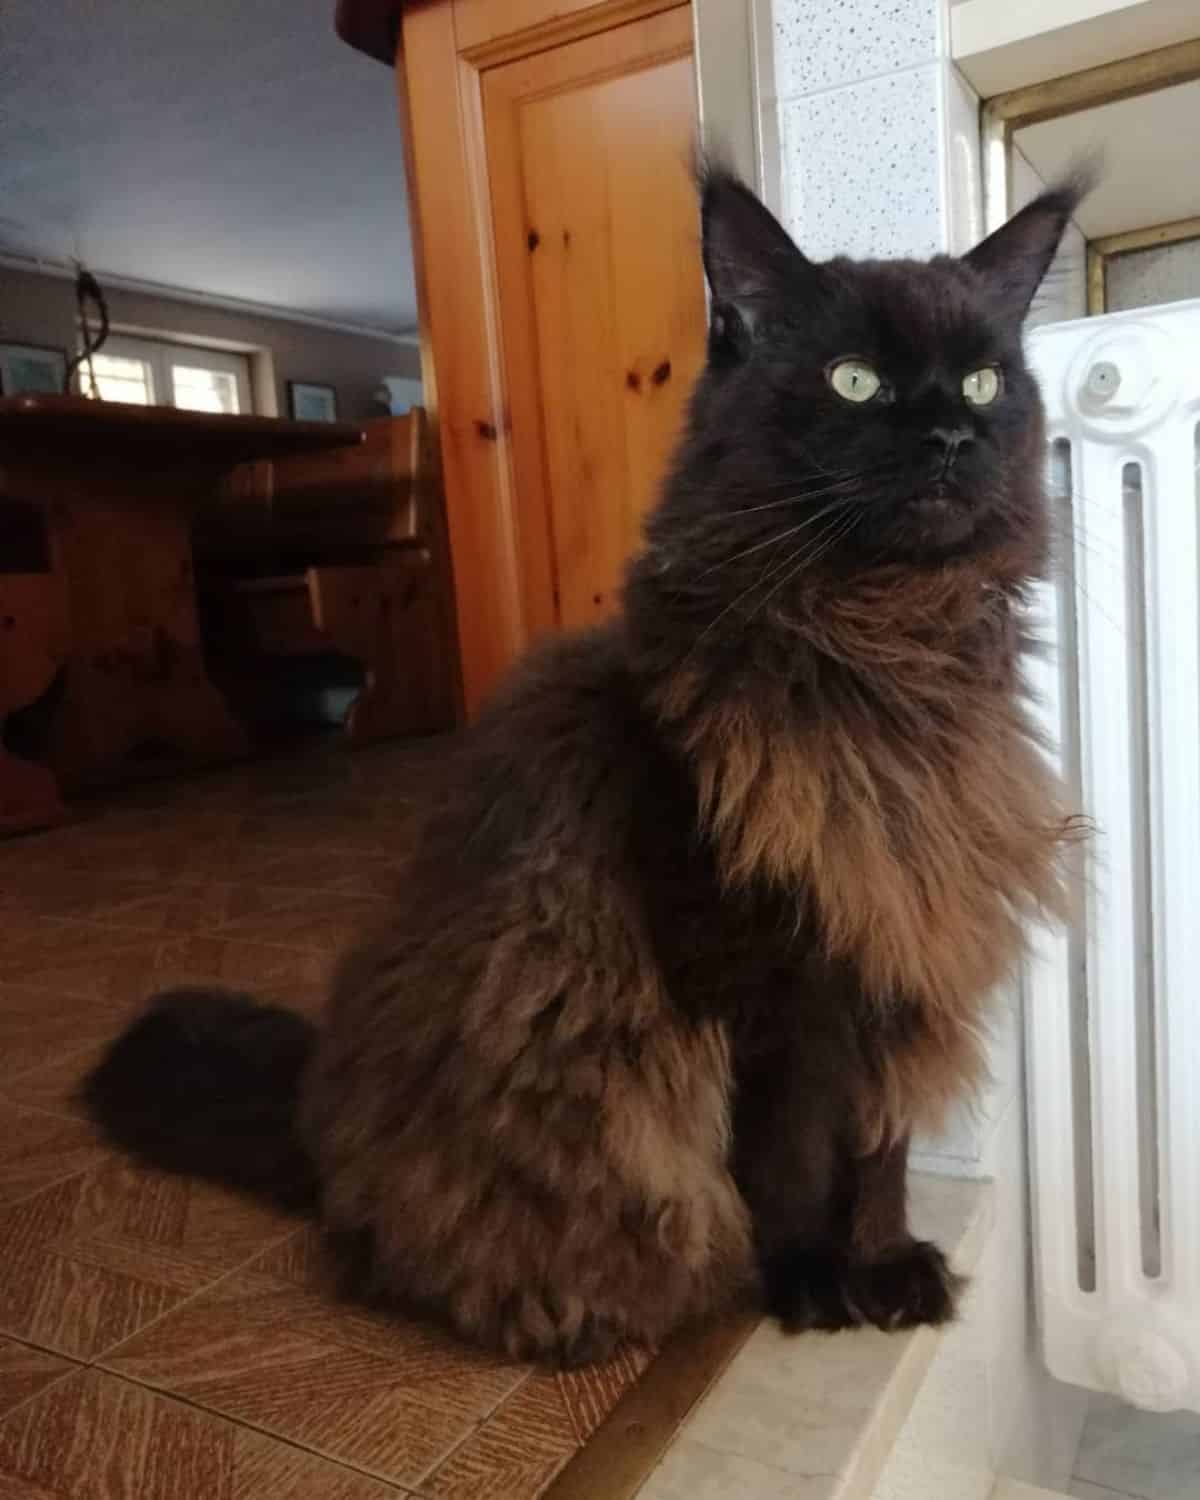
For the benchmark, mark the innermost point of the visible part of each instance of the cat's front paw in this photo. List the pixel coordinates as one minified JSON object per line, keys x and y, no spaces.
{"x":822,"y":1289}
{"x":561,"y":1332}
{"x":914,"y":1286}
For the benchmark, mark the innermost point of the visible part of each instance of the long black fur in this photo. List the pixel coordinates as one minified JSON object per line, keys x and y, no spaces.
{"x":205,"y":1083}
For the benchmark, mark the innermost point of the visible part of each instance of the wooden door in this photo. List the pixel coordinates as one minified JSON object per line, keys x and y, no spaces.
{"x":601,"y":297}
{"x":562,"y":299}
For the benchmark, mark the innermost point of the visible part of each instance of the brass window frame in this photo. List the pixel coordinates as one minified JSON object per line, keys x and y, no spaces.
{"x":1127,"y":78}
{"x":1102,"y":250}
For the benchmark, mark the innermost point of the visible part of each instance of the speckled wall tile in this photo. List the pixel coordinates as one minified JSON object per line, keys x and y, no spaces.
{"x":862,"y":167}
{"x":819,"y":45}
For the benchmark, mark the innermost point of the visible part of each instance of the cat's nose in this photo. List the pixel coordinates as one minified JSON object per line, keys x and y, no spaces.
{"x":950,"y":440}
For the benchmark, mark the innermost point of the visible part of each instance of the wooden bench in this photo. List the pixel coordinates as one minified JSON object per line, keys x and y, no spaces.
{"x":336,"y":551}
{"x":104,"y":493}
{"x":33,"y":650}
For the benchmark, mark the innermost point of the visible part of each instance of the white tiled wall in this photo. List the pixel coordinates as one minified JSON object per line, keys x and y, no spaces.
{"x":862,"y":166}
{"x":879,"y":131}
{"x":820,"y":46}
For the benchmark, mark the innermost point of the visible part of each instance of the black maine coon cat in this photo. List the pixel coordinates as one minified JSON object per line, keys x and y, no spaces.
{"x":706,"y":920}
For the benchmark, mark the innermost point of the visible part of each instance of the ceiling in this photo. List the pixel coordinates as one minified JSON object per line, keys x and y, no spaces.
{"x":1148,"y":147}
{"x":231,"y":147}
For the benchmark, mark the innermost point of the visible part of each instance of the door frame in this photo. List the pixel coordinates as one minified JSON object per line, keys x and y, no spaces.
{"x":443,"y":49}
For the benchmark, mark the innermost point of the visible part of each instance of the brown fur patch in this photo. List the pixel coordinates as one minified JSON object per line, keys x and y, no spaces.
{"x":913,"y":805}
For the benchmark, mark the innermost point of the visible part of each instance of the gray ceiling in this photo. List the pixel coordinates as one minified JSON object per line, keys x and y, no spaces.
{"x":233,"y":147}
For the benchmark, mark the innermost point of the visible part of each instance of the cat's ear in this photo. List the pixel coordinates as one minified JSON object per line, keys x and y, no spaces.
{"x":1014,"y":259}
{"x":749,"y":258}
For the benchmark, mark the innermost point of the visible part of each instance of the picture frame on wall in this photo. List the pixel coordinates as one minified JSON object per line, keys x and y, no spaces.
{"x":32,"y":370}
{"x":308,"y":402}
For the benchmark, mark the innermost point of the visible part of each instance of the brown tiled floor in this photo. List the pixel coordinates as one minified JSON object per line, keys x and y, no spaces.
{"x":162,"y":1338}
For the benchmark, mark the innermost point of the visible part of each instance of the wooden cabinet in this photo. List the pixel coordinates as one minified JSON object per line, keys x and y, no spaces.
{"x":548,"y":146}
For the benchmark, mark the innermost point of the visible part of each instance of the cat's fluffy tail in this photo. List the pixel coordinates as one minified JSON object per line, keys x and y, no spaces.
{"x":206,"y":1082}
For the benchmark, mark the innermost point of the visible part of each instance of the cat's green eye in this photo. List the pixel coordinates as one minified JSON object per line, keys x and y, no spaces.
{"x":854,"y":380}
{"x":981,"y":387}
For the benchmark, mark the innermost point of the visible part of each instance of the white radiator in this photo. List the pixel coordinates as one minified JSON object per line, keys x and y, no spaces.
{"x":1113,"y":1007}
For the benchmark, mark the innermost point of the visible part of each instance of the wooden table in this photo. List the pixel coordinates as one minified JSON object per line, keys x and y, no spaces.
{"x":109,"y":610}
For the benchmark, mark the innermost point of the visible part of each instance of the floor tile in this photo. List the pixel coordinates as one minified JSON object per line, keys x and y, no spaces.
{"x":40,"y":1025}
{"x":223,"y":1367}
{"x":348,"y":872}
{"x":170,"y":848}
{"x":24,"y":1371}
{"x":272,"y":970}
{"x":114,"y":901}
{"x":518,"y":1453}
{"x":54,"y":1086}
{"x":1082,"y":1490}
{"x":1149,"y":1455}
{"x":80,"y":960}
{"x":528,"y":1439}
{"x":690,"y":1471}
{"x":269,"y":1346}
{"x":38,"y":1149}
{"x":303,"y":919}
{"x":93,"y":1437}
{"x":89,"y":1261}
{"x":591,"y":1393}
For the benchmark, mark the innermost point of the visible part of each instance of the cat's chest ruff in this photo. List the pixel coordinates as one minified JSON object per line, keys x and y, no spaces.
{"x":915,"y":858}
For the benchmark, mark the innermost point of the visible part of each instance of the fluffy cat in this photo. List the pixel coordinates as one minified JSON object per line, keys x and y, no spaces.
{"x":705,"y":922}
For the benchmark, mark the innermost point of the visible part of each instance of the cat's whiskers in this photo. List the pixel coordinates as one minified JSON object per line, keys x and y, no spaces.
{"x":778,"y":538}
{"x":795,"y":499}
{"x":821,"y":473}
{"x":840,"y":479}
{"x":832,"y":537}
{"x":769,"y":572}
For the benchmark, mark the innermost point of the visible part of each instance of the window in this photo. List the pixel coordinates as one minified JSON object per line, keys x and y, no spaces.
{"x":152,"y":372}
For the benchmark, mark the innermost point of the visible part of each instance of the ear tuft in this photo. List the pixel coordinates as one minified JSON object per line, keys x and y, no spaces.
{"x":748,"y":255}
{"x":1014,"y":259}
